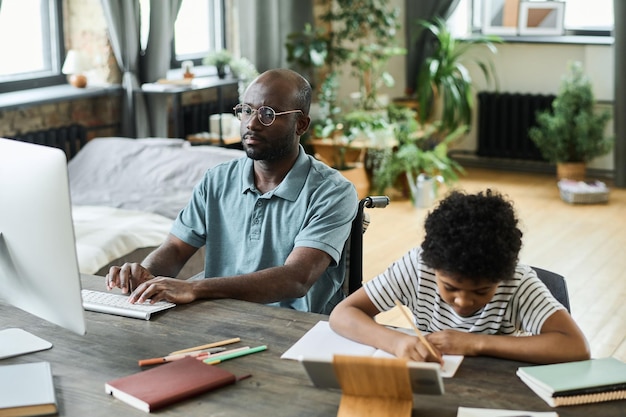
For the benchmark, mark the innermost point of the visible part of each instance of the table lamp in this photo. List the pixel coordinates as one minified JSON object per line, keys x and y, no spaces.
{"x":73,"y":66}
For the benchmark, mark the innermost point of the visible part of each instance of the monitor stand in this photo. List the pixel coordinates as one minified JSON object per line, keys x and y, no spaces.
{"x":14,"y":342}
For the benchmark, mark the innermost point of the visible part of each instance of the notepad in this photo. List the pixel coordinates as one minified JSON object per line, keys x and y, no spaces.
{"x":322,"y":343}
{"x":27,"y":390}
{"x":169,"y":383}
{"x":581,"y":382}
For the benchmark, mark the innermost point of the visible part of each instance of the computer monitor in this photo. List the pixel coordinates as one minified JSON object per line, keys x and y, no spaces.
{"x":38,"y":264}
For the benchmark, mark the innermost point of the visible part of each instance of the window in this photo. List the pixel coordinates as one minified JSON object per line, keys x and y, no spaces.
{"x":199,"y":29}
{"x":582,"y":17}
{"x":34,"y":61}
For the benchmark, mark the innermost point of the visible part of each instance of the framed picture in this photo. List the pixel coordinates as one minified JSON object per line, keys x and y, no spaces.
{"x":500,"y":17}
{"x":541,"y":17}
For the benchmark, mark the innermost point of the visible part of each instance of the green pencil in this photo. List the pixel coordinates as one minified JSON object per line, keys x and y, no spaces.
{"x":215,"y":359}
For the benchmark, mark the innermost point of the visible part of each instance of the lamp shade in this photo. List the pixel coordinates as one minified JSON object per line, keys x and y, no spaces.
{"x":74,"y":63}
{"x":73,"y":66}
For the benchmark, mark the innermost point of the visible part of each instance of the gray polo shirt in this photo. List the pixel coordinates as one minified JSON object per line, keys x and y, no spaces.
{"x":245,"y":231}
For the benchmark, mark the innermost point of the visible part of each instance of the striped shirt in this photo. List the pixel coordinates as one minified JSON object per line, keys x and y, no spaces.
{"x":521,"y":304}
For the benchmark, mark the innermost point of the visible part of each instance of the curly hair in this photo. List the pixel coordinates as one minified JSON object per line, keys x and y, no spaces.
{"x":473,"y":236}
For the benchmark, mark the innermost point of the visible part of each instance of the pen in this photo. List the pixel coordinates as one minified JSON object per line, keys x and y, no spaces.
{"x":419,"y":334}
{"x":170,"y":358}
{"x":226,"y":352}
{"x":220,"y":358}
{"x":209,"y":345}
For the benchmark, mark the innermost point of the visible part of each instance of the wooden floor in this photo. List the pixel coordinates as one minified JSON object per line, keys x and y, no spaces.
{"x":584,"y":243}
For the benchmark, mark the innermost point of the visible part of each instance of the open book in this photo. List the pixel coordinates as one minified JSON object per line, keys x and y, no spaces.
{"x":321,"y":343}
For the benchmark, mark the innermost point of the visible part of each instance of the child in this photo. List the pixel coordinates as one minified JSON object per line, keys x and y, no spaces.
{"x":466,"y":291}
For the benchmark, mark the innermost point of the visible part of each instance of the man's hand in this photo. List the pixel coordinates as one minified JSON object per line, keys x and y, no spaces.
{"x":127,"y":277}
{"x":163,"y":289}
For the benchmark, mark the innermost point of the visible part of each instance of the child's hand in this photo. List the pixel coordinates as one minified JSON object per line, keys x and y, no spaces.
{"x":411,"y":348}
{"x":453,"y":342}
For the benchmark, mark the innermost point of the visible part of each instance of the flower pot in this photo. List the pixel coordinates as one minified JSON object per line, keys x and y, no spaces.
{"x":571,"y":170}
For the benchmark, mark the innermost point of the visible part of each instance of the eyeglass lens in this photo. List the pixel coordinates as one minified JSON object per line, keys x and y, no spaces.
{"x":265,"y":114}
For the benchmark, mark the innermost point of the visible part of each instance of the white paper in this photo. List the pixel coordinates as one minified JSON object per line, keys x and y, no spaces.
{"x":495,"y":412}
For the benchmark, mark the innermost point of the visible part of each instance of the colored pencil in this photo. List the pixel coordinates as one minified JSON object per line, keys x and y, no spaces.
{"x":209,"y":345}
{"x":224,"y":357}
{"x":170,"y":358}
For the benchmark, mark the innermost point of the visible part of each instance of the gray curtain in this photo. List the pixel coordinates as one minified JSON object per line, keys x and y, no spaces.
{"x":157,"y":57}
{"x":264,"y":26}
{"x":619,"y":47}
{"x":123,"y":22}
{"x":418,"y":42}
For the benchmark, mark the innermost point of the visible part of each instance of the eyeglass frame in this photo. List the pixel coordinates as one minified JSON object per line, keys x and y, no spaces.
{"x":258,"y":113}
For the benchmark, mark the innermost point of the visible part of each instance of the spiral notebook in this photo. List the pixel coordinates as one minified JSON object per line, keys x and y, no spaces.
{"x":573,"y":383}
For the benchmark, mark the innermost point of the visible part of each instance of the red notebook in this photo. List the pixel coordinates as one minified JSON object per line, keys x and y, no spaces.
{"x":169,"y":383}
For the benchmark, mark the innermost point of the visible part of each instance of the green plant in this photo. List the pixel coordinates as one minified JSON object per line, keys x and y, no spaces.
{"x":444,"y":75}
{"x":245,"y":71}
{"x":572,"y":131}
{"x":422,"y":149}
{"x":221,"y":57}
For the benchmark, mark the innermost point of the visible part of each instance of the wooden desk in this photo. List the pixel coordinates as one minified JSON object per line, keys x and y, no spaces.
{"x":157,"y":101}
{"x":278,"y":387}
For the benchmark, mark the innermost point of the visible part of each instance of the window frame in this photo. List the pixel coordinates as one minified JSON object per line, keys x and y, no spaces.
{"x":56,"y":54}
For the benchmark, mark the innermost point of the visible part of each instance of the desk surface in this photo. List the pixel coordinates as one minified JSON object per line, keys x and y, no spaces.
{"x":278,"y":387}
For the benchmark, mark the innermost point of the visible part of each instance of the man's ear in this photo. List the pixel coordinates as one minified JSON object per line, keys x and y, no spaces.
{"x":302,"y":125}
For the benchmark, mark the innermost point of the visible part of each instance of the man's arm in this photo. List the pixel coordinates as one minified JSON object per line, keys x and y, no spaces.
{"x":292,"y":280}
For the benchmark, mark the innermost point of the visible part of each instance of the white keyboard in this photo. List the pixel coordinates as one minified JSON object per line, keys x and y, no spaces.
{"x":110,"y":303}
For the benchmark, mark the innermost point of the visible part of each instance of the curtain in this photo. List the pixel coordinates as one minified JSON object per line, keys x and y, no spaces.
{"x":123,"y":21}
{"x":264,"y":26}
{"x":418,"y":41}
{"x":157,"y":57}
{"x":619,"y":106}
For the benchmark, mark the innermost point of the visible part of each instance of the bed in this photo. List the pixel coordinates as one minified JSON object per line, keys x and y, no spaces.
{"x":126,"y":193}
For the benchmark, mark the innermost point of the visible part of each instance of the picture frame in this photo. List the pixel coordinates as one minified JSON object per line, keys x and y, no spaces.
{"x":541,"y":18}
{"x":500,"y":17}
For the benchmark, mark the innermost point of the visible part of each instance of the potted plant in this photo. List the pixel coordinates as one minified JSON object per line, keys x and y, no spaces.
{"x":572,"y":133}
{"x":445,"y":79}
{"x":220,"y":59}
{"x":420,"y":156}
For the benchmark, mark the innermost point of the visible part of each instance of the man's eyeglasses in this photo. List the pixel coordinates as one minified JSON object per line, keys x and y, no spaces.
{"x":265,"y":114}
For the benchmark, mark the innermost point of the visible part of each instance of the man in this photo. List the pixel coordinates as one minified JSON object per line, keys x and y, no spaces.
{"x":274,"y":223}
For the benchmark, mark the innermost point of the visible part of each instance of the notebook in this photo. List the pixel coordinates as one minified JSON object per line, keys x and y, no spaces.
{"x":27,"y":390}
{"x":499,"y":412}
{"x":321,"y":342}
{"x":110,"y":303}
{"x":168,"y":384}
{"x":581,"y":382}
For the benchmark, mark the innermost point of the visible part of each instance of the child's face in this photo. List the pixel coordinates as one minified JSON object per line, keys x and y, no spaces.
{"x":465,"y":296}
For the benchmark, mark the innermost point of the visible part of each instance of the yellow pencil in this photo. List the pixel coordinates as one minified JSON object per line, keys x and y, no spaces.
{"x":419,"y":334}
{"x":209,"y":345}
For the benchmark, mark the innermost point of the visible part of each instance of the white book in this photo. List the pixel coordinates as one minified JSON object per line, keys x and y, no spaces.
{"x":27,"y":390}
{"x":321,"y":343}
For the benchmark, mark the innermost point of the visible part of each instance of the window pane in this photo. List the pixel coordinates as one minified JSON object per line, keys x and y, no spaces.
{"x":596,"y":14}
{"x":24,"y":20}
{"x":198,"y":29}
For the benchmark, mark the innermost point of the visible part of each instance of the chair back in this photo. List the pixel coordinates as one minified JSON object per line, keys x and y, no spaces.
{"x":556,"y":284}
{"x":354,"y":246}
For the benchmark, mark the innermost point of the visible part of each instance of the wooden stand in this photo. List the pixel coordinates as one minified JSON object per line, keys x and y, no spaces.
{"x":370,"y":386}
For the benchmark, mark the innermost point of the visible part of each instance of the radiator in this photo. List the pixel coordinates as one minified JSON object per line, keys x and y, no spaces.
{"x":503,"y":123}
{"x":196,"y":117}
{"x":70,"y":139}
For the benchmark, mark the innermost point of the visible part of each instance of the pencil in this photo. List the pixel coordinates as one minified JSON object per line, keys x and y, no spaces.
{"x":419,"y":334}
{"x":209,"y":345}
{"x":170,"y":358}
{"x":224,"y":357}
